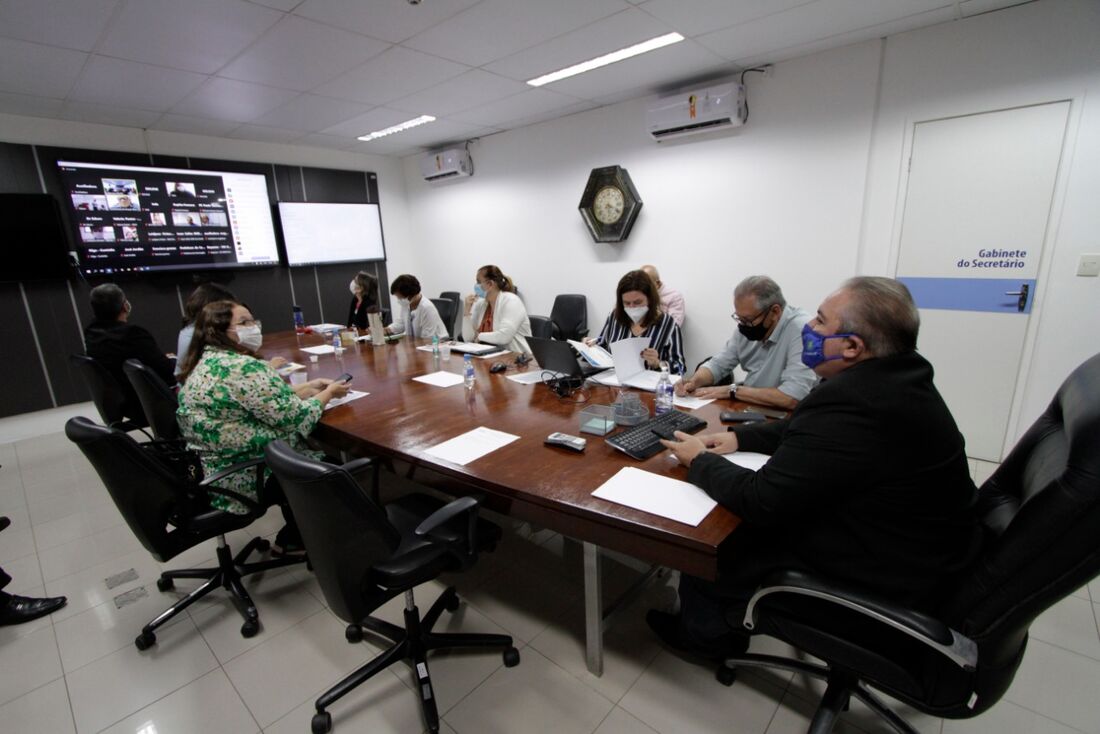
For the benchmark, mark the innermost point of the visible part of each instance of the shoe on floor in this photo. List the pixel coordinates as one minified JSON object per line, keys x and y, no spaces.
{"x":19,"y":609}
{"x":669,"y":628}
{"x":4,"y":522}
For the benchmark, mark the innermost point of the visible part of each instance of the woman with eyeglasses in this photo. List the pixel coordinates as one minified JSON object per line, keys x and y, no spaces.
{"x":232,"y":404}
{"x":494,"y":314}
{"x":637,"y":313}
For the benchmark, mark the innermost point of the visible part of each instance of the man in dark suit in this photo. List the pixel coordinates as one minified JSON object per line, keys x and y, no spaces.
{"x":868,"y":483}
{"x":111,"y":340}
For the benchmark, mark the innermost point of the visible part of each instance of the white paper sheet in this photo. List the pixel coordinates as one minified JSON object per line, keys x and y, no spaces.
{"x":595,"y":355}
{"x":328,"y":327}
{"x":441,"y":379}
{"x":533,"y":377}
{"x":658,"y":495}
{"x":748,"y":459}
{"x":643,"y":381}
{"x":627,"y":354}
{"x":289,"y":367}
{"x":352,"y":395}
{"x":686,"y":401}
{"x":471,"y":445}
{"x":323,"y":349}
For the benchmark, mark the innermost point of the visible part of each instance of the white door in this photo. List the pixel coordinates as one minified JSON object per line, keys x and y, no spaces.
{"x":975,"y":217}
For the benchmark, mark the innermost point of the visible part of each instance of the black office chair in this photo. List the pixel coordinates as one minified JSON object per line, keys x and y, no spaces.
{"x":169,"y":514}
{"x":456,"y":298}
{"x":570,"y":316}
{"x":541,"y":327}
{"x":158,"y":402}
{"x":446,"y":308}
{"x":1041,"y":511}
{"x":117,"y":405}
{"x":364,"y":554}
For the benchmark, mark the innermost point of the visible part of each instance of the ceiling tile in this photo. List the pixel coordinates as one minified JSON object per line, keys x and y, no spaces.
{"x":108,"y":114}
{"x":310,"y":113}
{"x":443,"y":132}
{"x":461,"y":93}
{"x":377,"y":119}
{"x":23,"y":104}
{"x":809,"y":23}
{"x":494,"y":29}
{"x":194,"y":125}
{"x":130,"y":84}
{"x":604,"y":36}
{"x":264,"y":134}
{"x":228,"y":99}
{"x":301,"y":54}
{"x":693,"y":17}
{"x":519,"y":106}
{"x":320,"y":140}
{"x":284,"y":5}
{"x":391,"y":74}
{"x":195,"y":35}
{"x":582,"y":106}
{"x":67,"y":23}
{"x":28,"y":68}
{"x":665,"y":67}
{"x":974,"y":7}
{"x":386,"y":146}
{"x":391,"y":21}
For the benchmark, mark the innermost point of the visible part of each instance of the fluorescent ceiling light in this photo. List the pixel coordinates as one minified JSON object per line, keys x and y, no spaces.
{"x":400,"y":127}
{"x":623,"y":53}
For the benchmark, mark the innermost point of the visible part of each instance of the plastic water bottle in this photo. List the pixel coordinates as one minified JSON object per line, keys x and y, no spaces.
{"x":337,"y":345}
{"x":468,"y":371}
{"x":299,"y":321}
{"x":664,"y":391}
{"x":435,"y":347}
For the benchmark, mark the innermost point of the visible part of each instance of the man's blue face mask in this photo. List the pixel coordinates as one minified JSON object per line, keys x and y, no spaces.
{"x":479,"y":291}
{"x":813,"y":346}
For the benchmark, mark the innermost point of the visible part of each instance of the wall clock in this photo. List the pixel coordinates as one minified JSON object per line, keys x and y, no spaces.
{"x":610,"y":204}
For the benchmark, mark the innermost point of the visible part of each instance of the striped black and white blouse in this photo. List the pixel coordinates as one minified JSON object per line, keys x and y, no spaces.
{"x":664,"y":336}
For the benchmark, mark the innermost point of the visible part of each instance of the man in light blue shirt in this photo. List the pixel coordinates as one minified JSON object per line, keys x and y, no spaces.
{"x":767,"y":345}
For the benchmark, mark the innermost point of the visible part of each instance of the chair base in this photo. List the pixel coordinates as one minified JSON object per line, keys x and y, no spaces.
{"x":228,"y":574}
{"x":411,"y":643}
{"x":841,"y":686}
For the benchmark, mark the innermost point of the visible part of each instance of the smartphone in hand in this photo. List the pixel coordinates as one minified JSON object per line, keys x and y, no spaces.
{"x":344,"y":378}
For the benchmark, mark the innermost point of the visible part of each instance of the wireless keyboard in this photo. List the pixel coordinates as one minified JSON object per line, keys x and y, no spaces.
{"x":643,"y":440}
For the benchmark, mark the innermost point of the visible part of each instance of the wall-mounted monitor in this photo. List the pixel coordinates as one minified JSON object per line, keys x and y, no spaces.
{"x":137,"y":219}
{"x":316,"y":233}
{"x":34,"y":237}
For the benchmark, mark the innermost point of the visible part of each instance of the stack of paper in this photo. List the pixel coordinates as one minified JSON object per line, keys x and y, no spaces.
{"x":630,"y":369}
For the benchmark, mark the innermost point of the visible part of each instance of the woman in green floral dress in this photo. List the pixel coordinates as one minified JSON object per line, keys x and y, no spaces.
{"x":232,"y":404}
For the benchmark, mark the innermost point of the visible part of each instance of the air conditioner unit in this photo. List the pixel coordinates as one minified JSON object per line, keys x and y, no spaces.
{"x":446,"y":164}
{"x":697,"y":111}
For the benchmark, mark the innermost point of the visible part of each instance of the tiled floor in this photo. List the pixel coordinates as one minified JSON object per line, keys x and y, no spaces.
{"x":79,"y":671}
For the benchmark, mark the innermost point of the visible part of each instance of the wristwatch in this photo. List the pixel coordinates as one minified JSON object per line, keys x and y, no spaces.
{"x":733,"y":391}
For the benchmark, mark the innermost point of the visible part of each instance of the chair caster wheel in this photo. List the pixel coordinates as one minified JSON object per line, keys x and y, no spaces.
{"x":353,"y":633}
{"x":250,"y":628}
{"x":321,"y":723}
{"x":264,"y":545}
{"x":145,"y":640}
{"x":511,"y":657}
{"x":164,"y":584}
{"x":452,"y":603}
{"x":725,"y":675}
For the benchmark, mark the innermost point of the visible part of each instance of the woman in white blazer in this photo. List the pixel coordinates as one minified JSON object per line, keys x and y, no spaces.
{"x":494,"y":314}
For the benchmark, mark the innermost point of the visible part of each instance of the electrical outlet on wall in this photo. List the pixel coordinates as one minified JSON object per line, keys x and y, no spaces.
{"x":1089,"y":265}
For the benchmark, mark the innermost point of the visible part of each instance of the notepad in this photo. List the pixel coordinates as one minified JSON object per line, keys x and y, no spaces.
{"x":323,"y":349}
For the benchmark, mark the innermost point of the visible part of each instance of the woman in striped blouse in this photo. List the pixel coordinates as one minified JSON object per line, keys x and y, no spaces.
{"x":638,"y":313}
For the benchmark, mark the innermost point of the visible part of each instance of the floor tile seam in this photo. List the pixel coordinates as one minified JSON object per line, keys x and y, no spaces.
{"x":1041,"y":715}
{"x":1077,"y":653}
{"x":456,"y":704}
{"x":233,"y":608}
{"x":251,"y":715}
{"x":147,"y":704}
{"x":36,"y":688}
{"x":51,"y":547}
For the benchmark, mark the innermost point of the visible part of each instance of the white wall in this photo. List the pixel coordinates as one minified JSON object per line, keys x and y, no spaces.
{"x":391,"y":181}
{"x":780,"y":196}
{"x":806,"y":192}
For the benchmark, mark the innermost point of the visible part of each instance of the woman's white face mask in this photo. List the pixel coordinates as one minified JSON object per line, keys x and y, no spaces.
{"x":250,"y":337}
{"x":353,"y":287}
{"x":636,"y":313}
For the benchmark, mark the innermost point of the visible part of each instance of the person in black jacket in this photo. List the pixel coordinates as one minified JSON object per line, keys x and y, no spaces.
{"x":364,"y":299}
{"x":15,"y":609}
{"x":868,"y":483}
{"x":111,"y":340}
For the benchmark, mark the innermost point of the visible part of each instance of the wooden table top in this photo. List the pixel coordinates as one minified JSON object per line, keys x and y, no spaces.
{"x":527,"y":479}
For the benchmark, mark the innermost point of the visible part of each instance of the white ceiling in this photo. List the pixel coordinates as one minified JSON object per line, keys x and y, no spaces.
{"x":321,"y":72}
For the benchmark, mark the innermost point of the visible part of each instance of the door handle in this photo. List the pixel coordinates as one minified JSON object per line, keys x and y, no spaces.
{"x":1021,"y":304}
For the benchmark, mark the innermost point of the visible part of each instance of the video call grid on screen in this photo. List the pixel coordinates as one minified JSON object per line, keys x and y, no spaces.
{"x":144,"y":219}
{"x":318,"y":233}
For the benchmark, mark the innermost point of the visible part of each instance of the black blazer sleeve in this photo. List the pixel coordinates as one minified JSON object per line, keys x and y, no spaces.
{"x":148,"y":353}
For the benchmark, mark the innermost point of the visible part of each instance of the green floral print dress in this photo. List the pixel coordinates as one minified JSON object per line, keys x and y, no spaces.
{"x":233,"y":405}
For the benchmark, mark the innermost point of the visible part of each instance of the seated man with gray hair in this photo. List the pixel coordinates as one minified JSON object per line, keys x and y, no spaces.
{"x":767,"y":345}
{"x":868,"y":483}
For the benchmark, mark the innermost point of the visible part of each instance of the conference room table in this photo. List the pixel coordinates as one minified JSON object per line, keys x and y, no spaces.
{"x":545,"y":485}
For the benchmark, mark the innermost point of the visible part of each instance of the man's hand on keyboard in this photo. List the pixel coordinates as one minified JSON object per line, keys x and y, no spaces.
{"x":720,"y":443}
{"x":685,"y":447}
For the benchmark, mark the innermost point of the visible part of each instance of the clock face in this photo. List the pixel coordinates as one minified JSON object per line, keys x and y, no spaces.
{"x":608,"y":206}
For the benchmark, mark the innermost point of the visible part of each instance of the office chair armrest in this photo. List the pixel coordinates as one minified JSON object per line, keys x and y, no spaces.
{"x":355,"y":467}
{"x":253,"y":506}
{"x":927,"y":630}
{"x":449,"y":511}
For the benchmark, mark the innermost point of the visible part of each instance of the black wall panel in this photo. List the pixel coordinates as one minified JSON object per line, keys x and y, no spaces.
{"x":269,"y":292}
